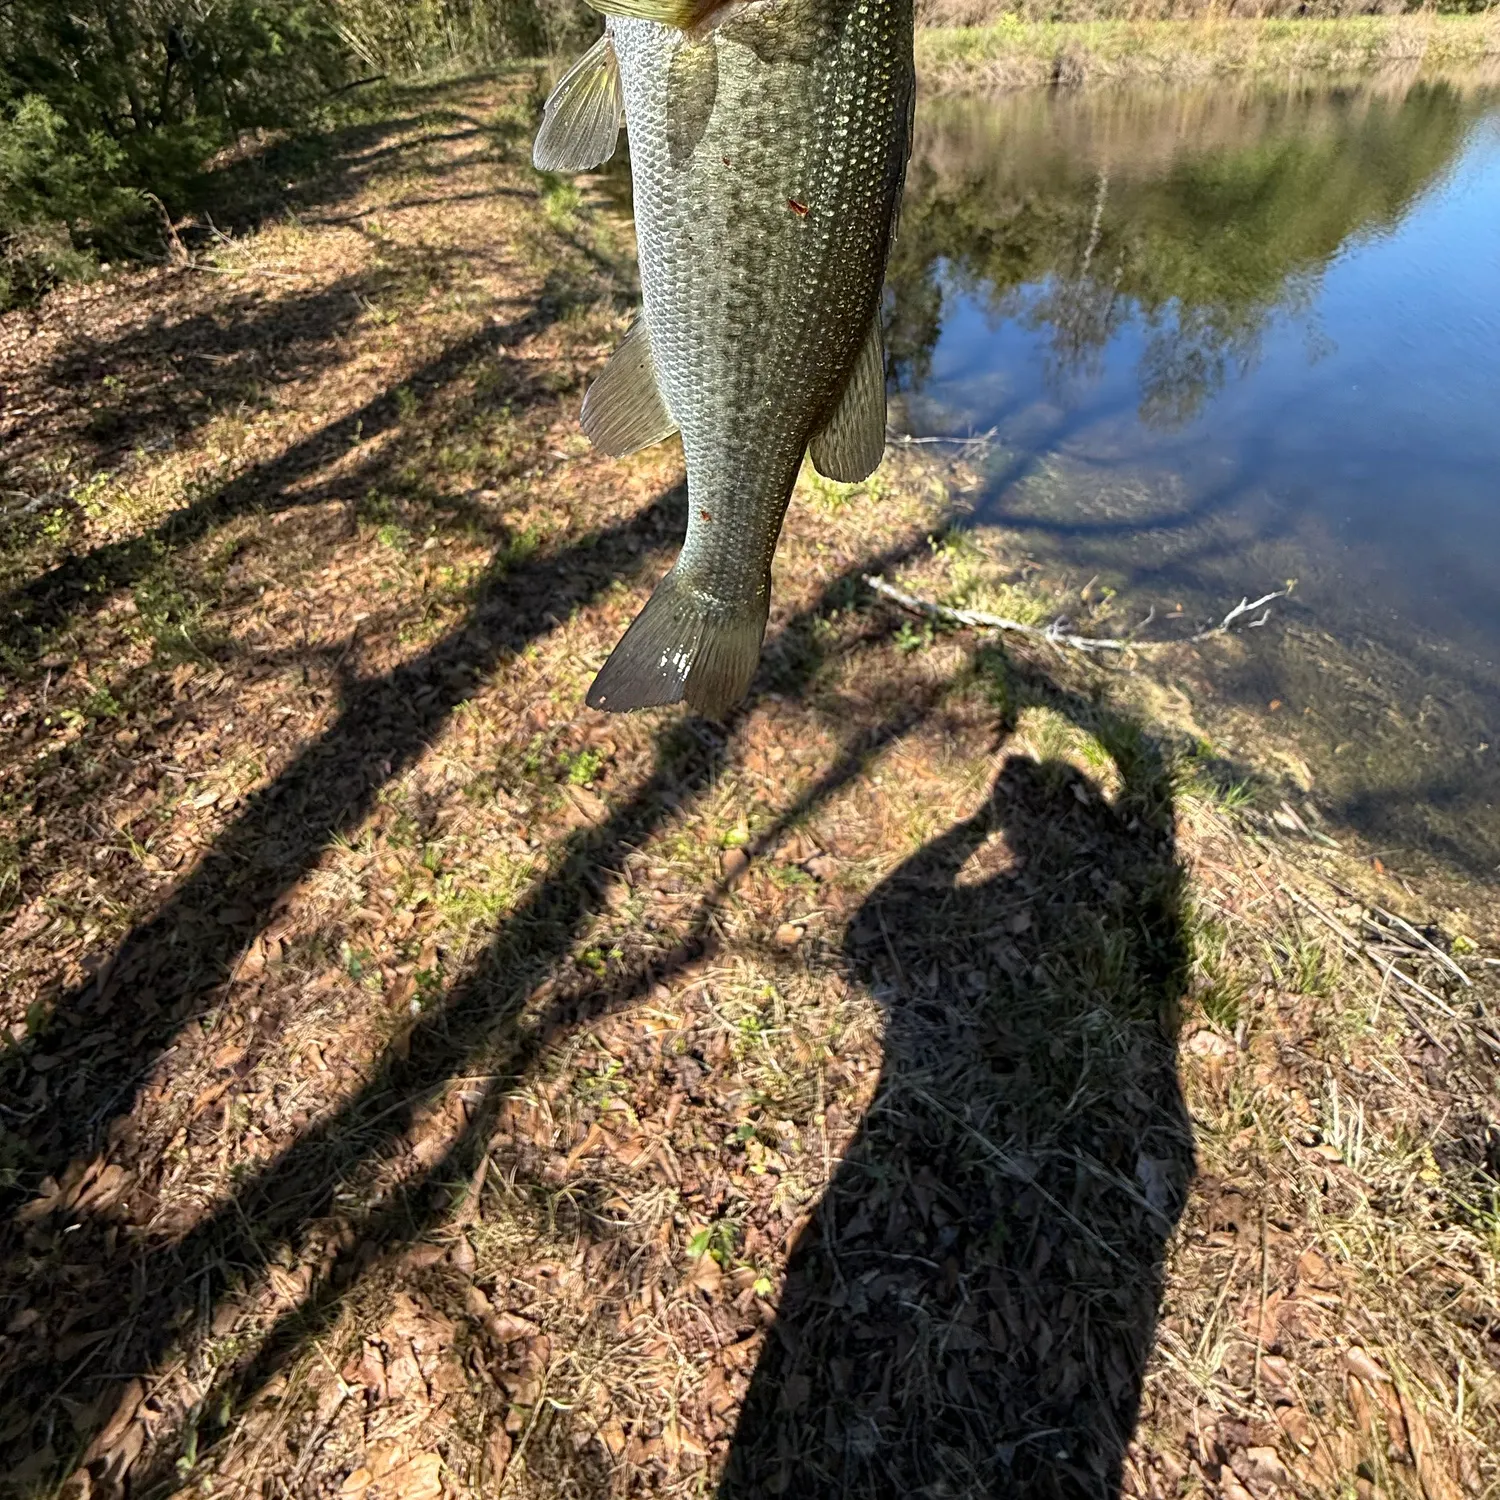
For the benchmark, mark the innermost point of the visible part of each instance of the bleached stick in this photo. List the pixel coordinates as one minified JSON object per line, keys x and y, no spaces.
{"x":1054,"y":634}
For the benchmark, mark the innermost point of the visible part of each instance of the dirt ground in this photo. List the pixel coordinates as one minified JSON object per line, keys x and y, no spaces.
{"x":952,"y":1076}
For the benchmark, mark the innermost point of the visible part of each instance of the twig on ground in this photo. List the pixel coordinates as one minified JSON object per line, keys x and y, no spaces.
{"x":176,"y":249}
{"x":1260,"y":1322}
{"x":1055,"y":635}
{"x":1403,"y":925}
{"x":355,"y":83}
{"x":1360,"y":949}
{"x":245,"y":271}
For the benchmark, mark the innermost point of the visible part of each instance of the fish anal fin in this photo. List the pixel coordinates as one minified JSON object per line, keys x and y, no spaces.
{"x":852,"y":441}
{"x":683,"y":645}
{"x":582,"y":116}
{"x":623,"y":410}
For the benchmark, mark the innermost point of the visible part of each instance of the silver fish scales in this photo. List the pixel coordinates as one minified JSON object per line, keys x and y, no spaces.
{"x":768,"y":145}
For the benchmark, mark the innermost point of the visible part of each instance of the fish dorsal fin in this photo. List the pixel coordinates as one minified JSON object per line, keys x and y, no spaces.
{"x":583,"y":114}
{"x":852,"y":441}
{"x":623,"y":410}
{"x":682,"y":14}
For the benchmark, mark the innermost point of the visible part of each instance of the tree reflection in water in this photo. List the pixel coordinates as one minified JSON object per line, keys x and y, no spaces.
{"x":1199,"y":214}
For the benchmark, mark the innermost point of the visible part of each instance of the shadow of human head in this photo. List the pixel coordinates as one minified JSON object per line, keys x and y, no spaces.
{"x":970,"y":1310}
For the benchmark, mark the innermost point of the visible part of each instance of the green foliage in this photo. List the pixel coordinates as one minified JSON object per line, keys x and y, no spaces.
{"x":107,"y":104}
{"x":111,"y":109}
{"x":582,"y":768}
{"x":412,"y":36}
{"x":716,"y":1239}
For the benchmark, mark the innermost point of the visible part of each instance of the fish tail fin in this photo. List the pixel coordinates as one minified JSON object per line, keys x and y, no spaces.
{"x":683,"y":644}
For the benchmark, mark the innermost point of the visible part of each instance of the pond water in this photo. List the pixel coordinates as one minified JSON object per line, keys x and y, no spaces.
{"x":1230,"y":336}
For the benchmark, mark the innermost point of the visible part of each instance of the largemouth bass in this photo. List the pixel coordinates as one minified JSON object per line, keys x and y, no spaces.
{"x":768,"y":143}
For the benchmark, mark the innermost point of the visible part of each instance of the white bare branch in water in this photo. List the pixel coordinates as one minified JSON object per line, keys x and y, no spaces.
{"x":906,"y":440}
{"x":1056,"y":635}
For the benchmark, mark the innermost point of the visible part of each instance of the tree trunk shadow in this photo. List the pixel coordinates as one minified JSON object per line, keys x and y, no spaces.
{"x":971,"y":1308}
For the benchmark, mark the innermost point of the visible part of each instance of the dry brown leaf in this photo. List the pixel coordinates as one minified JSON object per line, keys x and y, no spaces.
{"x":706,"y":1275}
{"x":1436,"y":1483}
{"x":497,"y":1450}
{"x":1362,"y":1365}
{"x":383,"y":1455}
{"x":593,"y":1138}
{"x":1262,"y":1466}
{"x":131,"y":1396}
{"x":509,"y":1326}
{"x":419,"y":1478}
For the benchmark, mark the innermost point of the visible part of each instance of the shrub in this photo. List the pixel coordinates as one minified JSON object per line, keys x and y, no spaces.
{"x":105,"y":101}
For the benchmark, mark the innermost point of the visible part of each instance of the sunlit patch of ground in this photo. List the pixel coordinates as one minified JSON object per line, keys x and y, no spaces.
{"x":953,"y":1075}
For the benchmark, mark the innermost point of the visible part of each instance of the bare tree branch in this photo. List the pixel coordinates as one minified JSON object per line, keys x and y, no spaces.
{"x":1055,"y":634}
{"x":975,"y":440}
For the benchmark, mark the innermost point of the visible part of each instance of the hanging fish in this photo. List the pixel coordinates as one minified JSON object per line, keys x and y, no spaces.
{"x":768,"y":143}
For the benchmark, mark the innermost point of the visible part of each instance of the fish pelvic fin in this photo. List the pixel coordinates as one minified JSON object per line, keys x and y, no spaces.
{"x":623,"y":410}
{"x":683,"y":644}
{"x":681,"y":14}
{"x":582,"y":117}
{"x":852,"y":441}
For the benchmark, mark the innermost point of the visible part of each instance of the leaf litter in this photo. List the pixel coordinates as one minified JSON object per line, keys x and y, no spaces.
{"x":928,"y":1081}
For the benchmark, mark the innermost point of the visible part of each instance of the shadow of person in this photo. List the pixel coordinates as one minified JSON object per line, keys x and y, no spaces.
{"x":970,"y":1309}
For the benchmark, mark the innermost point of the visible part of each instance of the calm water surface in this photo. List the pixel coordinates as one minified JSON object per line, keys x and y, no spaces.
{"x":1225,"y":338}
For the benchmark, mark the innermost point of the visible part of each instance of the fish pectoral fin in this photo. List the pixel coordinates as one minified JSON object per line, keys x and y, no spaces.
{"x":683,"y":14}
{"x":582,"y":117}
{"x":852,"y":441}
{"x":683,"y":645}
{"x":623,"y":410}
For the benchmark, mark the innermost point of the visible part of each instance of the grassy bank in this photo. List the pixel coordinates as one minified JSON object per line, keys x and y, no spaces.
{"x":1014,"y":53}
{"x":961,"y":1072}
